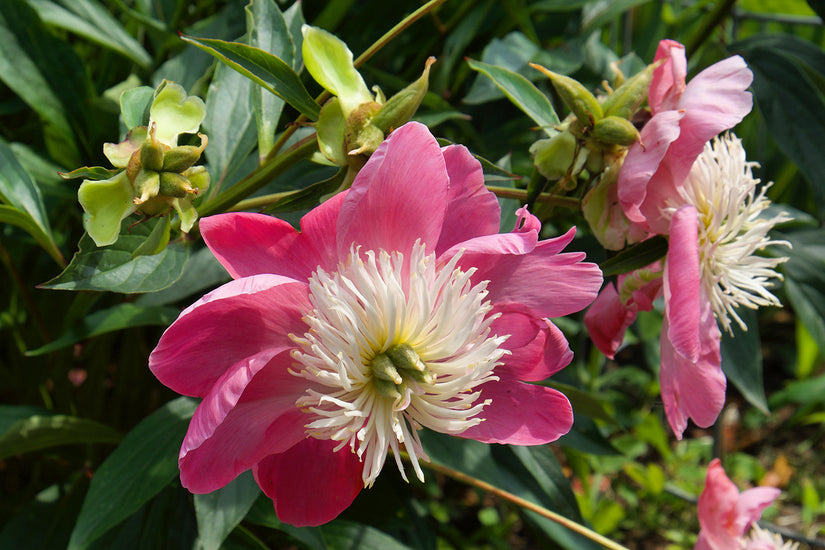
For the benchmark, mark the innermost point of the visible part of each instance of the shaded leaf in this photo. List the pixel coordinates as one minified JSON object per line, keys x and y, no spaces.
{"x":805,"y":280}
{"x":522,"y":93}
{"x":119,"y":317}
{"x":635,"y":257}
{"x":742,"y":360}
{"x":264,"y":68}
{"x":143,"y":464}
{"x":42,"y":432}
{"x":218,"y":513}
{"x":114,"y":269}
{"x":290,"y":201}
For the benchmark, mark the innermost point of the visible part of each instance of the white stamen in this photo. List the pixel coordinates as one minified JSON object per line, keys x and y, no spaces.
{"x":722,"y":188}
{"x":376,"y":301}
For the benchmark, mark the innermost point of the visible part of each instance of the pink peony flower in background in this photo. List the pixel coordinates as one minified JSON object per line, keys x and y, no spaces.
{"x":397,"y":306}
{"x":685,"y":117}
{"x":725,"y":514}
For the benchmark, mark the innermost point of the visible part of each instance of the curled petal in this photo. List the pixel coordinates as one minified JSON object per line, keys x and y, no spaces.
{"x":607,"y":319}
{"x":668,"y":81}
{"x":310,"y":484}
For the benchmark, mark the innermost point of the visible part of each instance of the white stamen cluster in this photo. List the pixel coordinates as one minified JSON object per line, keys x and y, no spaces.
{"x":761,"y":539}
{"x":722,"y":188}
{"x":373,"y":304}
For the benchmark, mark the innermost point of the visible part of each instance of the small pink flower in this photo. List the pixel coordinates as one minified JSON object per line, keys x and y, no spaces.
{"x":397,"y":306}
{"x":685,"y":117}
{"x":725,"y":514}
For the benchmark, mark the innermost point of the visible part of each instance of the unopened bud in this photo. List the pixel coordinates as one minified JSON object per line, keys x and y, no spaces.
{"x":151,"y":154}
{"x":400,"y":108}
{"x":627,"y":98}
{"x":175,"y":185}
{"x":578,"y":99}
{"x":178,"y":159}
{"x":615,"y":130}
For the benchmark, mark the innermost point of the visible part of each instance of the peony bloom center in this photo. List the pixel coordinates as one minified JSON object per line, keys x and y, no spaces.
{"x":723,"y":190}
{"x":395,"y":344}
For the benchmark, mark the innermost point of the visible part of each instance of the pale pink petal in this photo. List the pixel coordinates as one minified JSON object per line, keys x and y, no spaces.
{"x":752,"y":502}
{"x":249,"y":414}
{"x":643,"y":161}
{"x":521,"y":414}
{"x":683,"y":283}
{"x":607,"y":320}
{"x":310,"y":484}
{"x":398,"y":197}
{"x":693,"y":389}
{"x":472,"y":210}
{"x":250,"y":244}
{"x":236,"y":321}
{"x":668,"y":81}
{"x":551,"y":284}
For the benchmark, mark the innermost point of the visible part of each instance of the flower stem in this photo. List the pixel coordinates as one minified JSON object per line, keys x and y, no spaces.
{"x":526,"y":504}
{"x":264,"y":174}
{"x":521,"y":194}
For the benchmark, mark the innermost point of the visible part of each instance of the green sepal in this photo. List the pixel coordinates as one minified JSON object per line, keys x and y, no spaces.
{"x":330,"y":132}
{"x":553,"y":157}
{"x":106,"y":203}
{"x":401,"y":107}
{"x":578,"y":99}
{"x":119,"y":154}
{"x":329,"y":61}
{"x":173,"y":113}
{"x":93,"y":173}
{"x":627,"y":98}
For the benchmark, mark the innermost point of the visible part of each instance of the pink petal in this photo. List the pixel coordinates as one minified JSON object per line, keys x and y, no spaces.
{"x":521,"y":414}
{"x":472,"y":210}
{"x":607,"y":319}
{"x":249,"y":414}
{"x":683,"y":283}
{"x":238,"y":320}
{"x":752,"y":502}
{"x":538,"y":349}
{"x":310,"y":484}
{"x":551,"y":284}
{"x":717,"y":511}
{"x":399,"y":196}
{"x":250,"y":244}
{"x":693,"y":389}
{"x":643,"y":161}
{"x":668,"y":81}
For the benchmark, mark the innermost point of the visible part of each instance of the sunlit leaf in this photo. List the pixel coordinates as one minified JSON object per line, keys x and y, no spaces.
{"x":44,"y":431}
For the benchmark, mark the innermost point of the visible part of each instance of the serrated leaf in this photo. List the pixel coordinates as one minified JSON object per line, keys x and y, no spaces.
{"x":522,"y":93}
{"x":143,"y":464}
{"x":42,"y":432}
{"x":264,"y":68}
{"x":635,"y":257}
{"x":119,"y":317}
{"x":112,"y":268}
{"x":221,"y":511}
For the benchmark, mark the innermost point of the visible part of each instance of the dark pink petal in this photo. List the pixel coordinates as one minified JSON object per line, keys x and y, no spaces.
{"x":472,"y":210}
{"x":310,"y":484}
{"x":551,"y":284}
{"x":668,"y":81}
{"x":398,"y":197}
{"x":692,"y":389}
{"x":249,"y":414}
{"x":249,"y":244}
{"x":238,"y":320}
{"x":607,"y":319}
{"x":521,"y":414}
{"x":643,"y":161}
{"x":683,"y":283}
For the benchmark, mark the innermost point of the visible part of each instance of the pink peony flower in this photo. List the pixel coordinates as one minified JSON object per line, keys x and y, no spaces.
{"x":725,"y":514}
{"x":685,"y":117}
{"x":397,"y":306}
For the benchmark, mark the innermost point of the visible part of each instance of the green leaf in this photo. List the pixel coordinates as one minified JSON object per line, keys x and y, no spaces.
{"x":267,"y":29}
{"x":264,"y":68}
{"x":742,"y":360}
{"x":805,"y":280}
{"x":114,"y":269}
{"x":94,"y":173}
{"x":10,"y":414}
{"x":25,"y":208}
{"x":93,"y":22}
{"x":42,"y":432}
{"x":143,"y":464}
{"x":220,"y":512}
{"x":635,"y":257}
{"x":263,"y":513}
{"x":291,"y":201}
{"x":522,"y":93}
{"x":528,"y":472}
{"x":597,"y":14}
{"x":583,"y":402}
{"x":157,"y":239}
{"x":785,"y":70}
{"x":109,"y":320}
{"x":135,"y":104}
{"x":45,"y":72}
{"x":201,"y":272}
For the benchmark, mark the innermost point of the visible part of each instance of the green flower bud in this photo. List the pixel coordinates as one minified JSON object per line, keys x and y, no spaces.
{"x":402,"y":106}
{"x":578,"y":99}
{"x":151,"y":154}
{"x":627,"y":98}
{"x":182,"y":157}
{"x":175,"y":185}
{"x":615,"y":130}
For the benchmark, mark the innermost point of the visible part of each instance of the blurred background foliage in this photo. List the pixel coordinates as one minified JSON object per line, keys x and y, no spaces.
{"x":89,"y":438}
